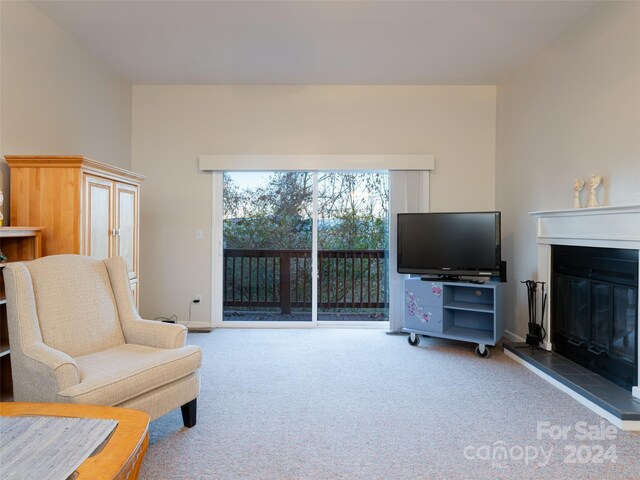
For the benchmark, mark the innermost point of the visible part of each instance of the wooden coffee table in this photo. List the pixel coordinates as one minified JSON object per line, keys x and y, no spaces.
{"x":121,"y":457}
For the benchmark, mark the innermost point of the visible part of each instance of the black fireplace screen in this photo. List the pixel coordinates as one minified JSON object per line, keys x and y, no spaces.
{"x":594,"y":307}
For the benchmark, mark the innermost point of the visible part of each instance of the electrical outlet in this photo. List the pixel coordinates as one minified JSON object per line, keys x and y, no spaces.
{"x":197,"y":298}
{"x":199,"y":233}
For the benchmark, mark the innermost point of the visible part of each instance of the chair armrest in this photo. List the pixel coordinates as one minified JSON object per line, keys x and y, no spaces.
{"x":50,"y":371}
{"x":154,"y":334}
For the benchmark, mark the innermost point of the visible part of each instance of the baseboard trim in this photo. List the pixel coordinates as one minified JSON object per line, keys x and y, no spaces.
{"x":198,"y":326}
{"x":513,"y":337}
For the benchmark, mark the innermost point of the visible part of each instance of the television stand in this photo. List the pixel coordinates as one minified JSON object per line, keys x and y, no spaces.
{"x":458,"y":310}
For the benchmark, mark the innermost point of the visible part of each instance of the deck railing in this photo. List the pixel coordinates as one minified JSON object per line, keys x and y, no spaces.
{"x":347,"y":279}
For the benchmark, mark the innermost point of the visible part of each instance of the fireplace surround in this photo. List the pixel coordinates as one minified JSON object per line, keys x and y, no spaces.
{"x":600,"y":228}
{"x":595,"y":310}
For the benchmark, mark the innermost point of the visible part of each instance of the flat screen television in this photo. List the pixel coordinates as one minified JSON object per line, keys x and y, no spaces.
{"x":449,"y":245}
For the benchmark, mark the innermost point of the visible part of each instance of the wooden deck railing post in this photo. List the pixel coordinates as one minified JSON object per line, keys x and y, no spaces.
{"x":285,"y":281}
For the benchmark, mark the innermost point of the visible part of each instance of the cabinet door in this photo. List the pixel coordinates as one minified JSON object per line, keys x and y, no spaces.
{"x":126,"y":225}
{"x":423,"y":306}
{"x":98,"y":203}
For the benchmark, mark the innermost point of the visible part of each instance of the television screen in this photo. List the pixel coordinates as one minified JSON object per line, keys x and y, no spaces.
{"x":449,"y":244}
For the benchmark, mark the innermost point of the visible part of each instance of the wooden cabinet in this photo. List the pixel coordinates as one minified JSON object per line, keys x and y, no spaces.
{"x":17,"y":244}
{"x":86,"y":207}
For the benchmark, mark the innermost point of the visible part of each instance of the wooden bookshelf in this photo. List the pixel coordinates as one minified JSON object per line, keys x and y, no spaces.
{"x":17,"y":244}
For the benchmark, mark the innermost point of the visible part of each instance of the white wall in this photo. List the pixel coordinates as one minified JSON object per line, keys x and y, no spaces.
{"x":55,"y":97}
{"x":571,"y":111}
{"x":172,"y":125}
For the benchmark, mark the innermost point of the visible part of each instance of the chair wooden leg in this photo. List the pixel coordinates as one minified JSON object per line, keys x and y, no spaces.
{"x":189,"y":413}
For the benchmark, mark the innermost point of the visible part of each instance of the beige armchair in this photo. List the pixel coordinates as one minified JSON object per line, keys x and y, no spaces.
{"x":76,"y":337}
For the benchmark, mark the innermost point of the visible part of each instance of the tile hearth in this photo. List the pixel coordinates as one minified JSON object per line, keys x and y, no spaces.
{"x":615,"y":400}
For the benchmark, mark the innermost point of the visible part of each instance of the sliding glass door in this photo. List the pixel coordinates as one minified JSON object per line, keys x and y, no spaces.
{"x":267,"y":235}
{"x":353,"y":232}
{"x":304,"y":247}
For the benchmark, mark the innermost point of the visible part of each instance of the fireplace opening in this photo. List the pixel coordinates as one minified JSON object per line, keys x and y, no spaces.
{"x":595,"y":310}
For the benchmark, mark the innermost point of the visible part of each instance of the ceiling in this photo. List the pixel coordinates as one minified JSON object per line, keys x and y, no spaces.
{"x":314,"y":42}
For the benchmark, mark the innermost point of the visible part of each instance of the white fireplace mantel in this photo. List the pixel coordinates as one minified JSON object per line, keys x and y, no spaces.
{"x":613,"y":227}
{"x":608,"y":227}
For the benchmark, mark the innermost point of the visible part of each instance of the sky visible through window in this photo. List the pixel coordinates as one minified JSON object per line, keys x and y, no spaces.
{"x":254,"y":180}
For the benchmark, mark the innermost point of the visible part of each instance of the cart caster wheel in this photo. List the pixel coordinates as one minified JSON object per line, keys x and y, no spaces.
{"x":413,"y":339}
{"x":482,"y":351}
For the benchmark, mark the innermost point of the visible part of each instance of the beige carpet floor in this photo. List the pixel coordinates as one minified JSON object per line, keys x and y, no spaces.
{"x":360,"y":404}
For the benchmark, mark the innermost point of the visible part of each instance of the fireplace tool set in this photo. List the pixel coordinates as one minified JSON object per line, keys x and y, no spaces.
{"x":537,"y":332}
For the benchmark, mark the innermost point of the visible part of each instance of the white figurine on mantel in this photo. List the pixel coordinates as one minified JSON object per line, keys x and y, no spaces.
{"x":577,"y":188}
{"x":594,"y":183}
